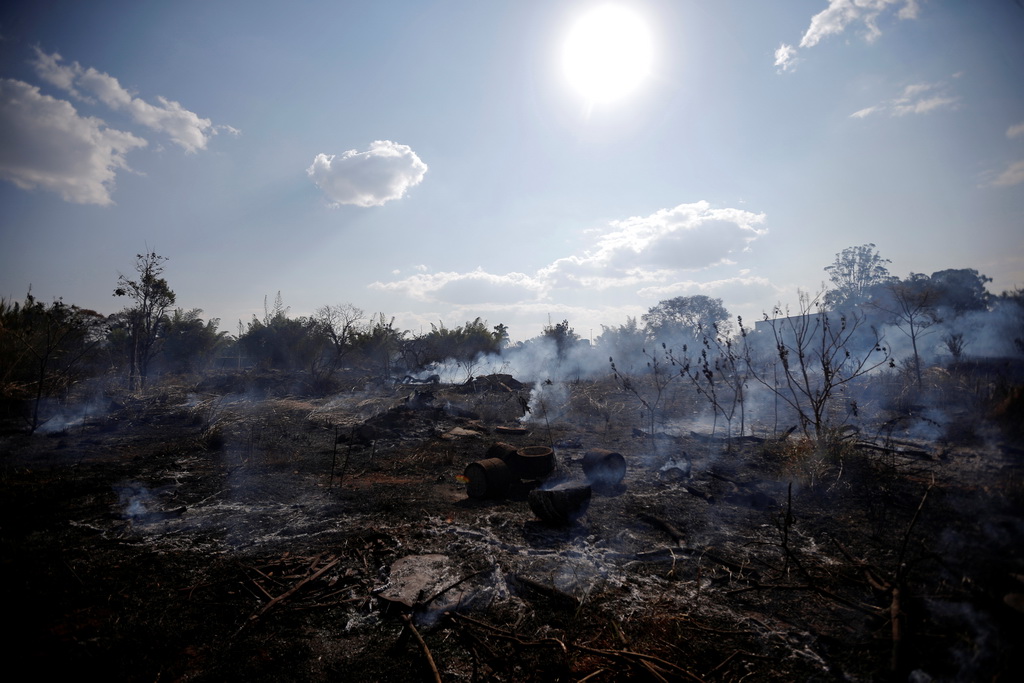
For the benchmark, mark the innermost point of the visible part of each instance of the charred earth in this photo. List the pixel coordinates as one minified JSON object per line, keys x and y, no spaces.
{"x":234,"y":529}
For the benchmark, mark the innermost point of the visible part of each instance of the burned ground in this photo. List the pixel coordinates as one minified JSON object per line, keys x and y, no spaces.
{"x":203,"y":533}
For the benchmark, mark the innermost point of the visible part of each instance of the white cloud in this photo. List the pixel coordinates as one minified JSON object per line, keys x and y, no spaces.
{"x":1015,"y":131}
{"x":371,"y":178}
{"x":740,"y":289}
{"x":1013,"y":175}
{"x":634,"y":253}
{"x":475,"y":287}
{"x":919,"y":98}
{"x":45,"y":143}
{"x":649,"y":248}
{"x":185,"y":128}
{"x":785,"y":58}
{"x":840,"y":14}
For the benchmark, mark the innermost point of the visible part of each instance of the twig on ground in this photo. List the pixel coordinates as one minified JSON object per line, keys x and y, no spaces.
{"x":423,"y":646}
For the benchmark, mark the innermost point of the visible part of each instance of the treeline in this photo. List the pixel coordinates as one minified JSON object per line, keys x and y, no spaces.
{"x":47,"y":349}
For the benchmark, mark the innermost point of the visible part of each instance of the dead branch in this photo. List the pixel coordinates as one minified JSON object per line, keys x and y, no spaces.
{"x":700,"y":494}
{"x":910,"y":529}
{"x":665,"y":526}
{"x":896,"y":615}
{"x":423,"y":646}
{"x":287,"y":594}
{"x":544,"y":589}
{"x":458,"y":583}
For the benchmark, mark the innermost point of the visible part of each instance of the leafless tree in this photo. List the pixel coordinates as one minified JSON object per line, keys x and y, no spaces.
{"x":820,"y":354}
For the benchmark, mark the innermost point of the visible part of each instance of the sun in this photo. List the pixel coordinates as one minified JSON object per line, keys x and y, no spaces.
{"x":607,"y":54}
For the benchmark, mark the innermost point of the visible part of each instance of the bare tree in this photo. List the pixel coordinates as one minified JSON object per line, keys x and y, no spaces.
{"x":910,"y":304}
{"x":339,"y":325}
{"x":820,"y":353}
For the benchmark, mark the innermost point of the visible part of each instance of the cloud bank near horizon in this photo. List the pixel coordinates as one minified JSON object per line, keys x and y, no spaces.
{"x":642,"y":253}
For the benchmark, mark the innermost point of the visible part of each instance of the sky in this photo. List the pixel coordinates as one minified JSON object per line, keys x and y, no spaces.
{"x":439,"y":161}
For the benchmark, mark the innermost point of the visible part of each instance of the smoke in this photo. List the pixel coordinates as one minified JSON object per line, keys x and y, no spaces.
{"x":135,"y":500}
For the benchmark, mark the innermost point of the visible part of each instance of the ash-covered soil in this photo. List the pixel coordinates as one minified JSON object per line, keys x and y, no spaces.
{"x":196,"y":534}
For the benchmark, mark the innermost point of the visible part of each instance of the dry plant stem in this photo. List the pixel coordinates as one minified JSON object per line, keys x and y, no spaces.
{"x":423,"y":646}
{"x":895,"y":608}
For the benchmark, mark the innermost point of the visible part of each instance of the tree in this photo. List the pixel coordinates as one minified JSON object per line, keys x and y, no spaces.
{"x":336,"y":327}
{"x":854,"y":274}
{"x":563,"y":335}
{"x":910,"y":305}
{"x":44,"y":348}
{"x":145,"y":319}
{"x":960,"y":290}
{"x":817,"y":354}
{"x":686,"y":317}
{"x":380,"y":344}
{"x":625,"y":342}
{"x":279,"y":342}
{"x":189,"y":343}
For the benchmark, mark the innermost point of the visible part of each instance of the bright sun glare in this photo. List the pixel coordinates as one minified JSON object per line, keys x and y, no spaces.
{"x":607,"y":53}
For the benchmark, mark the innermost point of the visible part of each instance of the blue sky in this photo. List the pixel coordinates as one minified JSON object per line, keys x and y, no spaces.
{"x":430,"y":160}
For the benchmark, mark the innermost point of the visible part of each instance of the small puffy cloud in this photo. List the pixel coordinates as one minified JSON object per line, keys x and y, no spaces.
{"x":185,"y":128}
{"x":919,"y":98}
{"x":1015,"y":131}
{"x":840,"y":14}
{"x":45,"y":143}
{"x":476,"y":287}
{"x":371,"y":178}
{"x":1013,"y":175}
{"x":785,"y":58}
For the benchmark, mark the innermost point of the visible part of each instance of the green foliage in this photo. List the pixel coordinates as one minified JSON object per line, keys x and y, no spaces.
{"x":854,"y":274}
{"x":563,"y":335}
{"x":190,"y":343}
{"x":960,"y":290}
{"x":144,"y":319}
{"x":683,"y":318}
{"x":625,"y":341}
{"x":279,"y":342}
{"x":45,"y":349}
{"x":462,"y":344}
{"x":379,"y":345}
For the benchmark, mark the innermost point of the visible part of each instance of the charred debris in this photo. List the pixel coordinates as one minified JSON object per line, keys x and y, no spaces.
{"x":497,"y":529}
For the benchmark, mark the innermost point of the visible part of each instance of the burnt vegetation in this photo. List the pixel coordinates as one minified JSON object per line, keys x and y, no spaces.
{"x":831,"y":493}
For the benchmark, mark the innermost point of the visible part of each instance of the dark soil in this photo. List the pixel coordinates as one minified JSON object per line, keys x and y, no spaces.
{"x":216,"y":536}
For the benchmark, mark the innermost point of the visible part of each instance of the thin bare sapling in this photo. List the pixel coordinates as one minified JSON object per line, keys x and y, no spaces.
{"x":817,"y":355}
